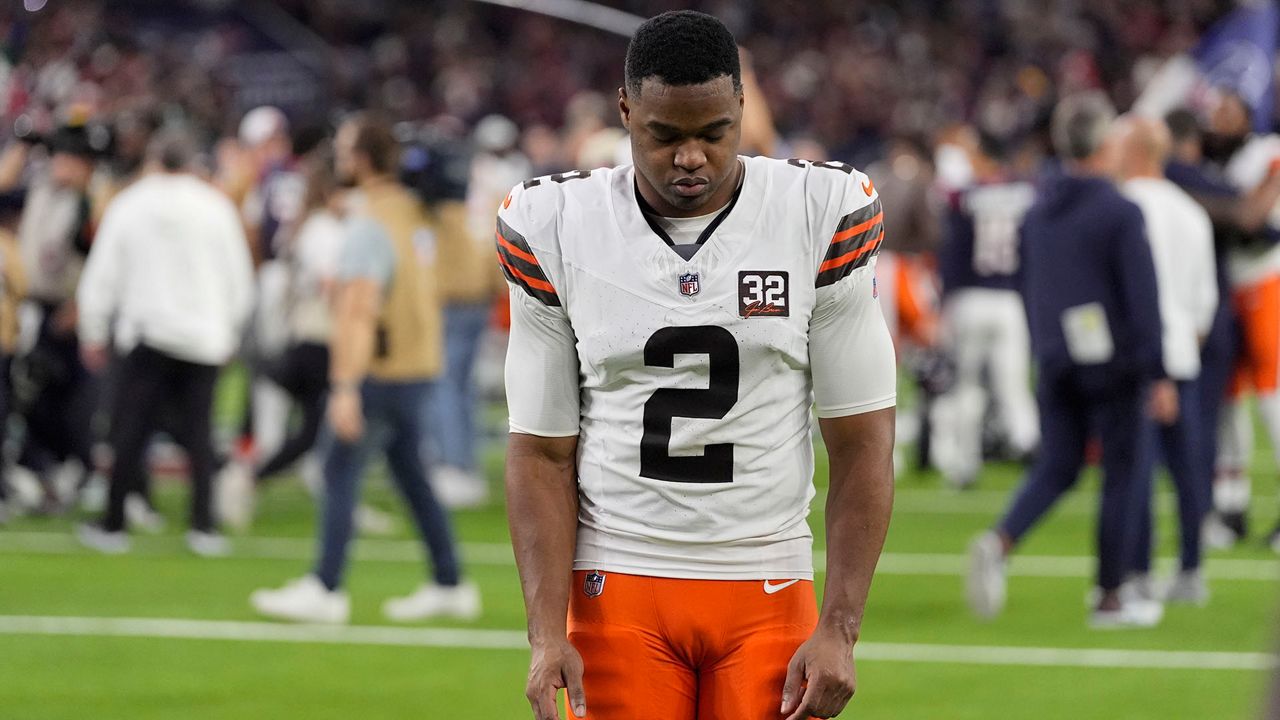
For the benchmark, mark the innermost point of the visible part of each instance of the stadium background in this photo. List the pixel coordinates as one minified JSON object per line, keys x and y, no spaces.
{"x":160,"y":634}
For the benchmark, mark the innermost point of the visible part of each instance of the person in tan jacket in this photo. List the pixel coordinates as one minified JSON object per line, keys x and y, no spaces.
{"x":469,"y":282}
{"x":13,"y":287}
{"x":385,"y":352}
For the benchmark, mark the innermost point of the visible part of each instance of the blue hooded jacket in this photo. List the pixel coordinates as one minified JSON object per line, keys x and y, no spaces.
{"x":1083,"y":242}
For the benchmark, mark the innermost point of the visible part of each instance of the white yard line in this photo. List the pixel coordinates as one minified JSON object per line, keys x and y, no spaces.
{"x":410,"y":551}
{"x":990,"y":503}
{"x":490,"y":639}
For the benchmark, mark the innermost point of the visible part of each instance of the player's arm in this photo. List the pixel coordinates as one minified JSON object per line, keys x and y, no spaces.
{"x":368,"y":262}
{"x":100,"y":290}
{"x":542,"y":510}
{"x":542,"y":379}
{"x":854,"y":378}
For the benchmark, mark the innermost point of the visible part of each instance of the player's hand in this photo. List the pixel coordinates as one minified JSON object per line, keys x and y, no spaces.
{"x":346,"y":414}
{"x":65,"y":318}
{"x":1163,"y":406}
{"x":94,"y":357}
{"x":555,"y":664}
{"x":824,"y":664}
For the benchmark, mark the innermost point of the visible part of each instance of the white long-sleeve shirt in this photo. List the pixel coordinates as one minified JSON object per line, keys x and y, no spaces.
{"x":171,"y":267}
{"x":1181,"y":238}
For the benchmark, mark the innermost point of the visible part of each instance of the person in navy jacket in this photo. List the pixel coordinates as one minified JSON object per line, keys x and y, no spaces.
{"x":1089,"y":285}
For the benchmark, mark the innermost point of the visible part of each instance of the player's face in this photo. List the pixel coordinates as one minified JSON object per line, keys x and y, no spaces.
{"x":684,"y":143}
{"x":344,"y":154}
{"x":1228,"y":116}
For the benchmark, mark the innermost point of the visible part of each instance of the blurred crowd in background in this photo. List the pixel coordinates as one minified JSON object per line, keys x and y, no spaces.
{"x":847,"y":77}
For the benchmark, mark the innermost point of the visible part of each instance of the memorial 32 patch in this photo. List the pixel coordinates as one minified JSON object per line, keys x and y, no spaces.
{"x":763,"y":293}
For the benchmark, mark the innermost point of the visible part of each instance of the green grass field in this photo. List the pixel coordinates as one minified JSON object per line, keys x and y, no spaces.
{"x":922,"y":655}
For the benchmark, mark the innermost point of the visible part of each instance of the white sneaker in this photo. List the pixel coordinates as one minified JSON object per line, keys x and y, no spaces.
{"x":461,"y":602}
{"x":987,"y":585}
{"x":24,"y":485}
{"x":303,"y":600}
{"x":1138,"y":586}
{"x":1215,"y":535}
{"x":234,"y":494}
{"x":108,"y":543}
{"x":208,"y":544}
{"x":1132,"y":614}
{"x":140,"y":515}
{"x":372,"y":521}
{"x":312,"y":474}
{"x":1189,"y":587}
{"x":457,"y":489}
{"x":93,"y":496}
{"x":66,"y":481}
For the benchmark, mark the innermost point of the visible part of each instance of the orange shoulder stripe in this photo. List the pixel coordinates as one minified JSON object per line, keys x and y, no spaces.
{"x":861,"y":227}
{"x":851,"y":256}
{"x":527,"y":257}
{"x":534,"y":283}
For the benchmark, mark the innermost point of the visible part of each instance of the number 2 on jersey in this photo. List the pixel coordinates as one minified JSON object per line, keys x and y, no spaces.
{"x":715,"y":465}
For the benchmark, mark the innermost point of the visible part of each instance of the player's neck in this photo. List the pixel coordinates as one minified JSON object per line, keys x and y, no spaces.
{"x":722,"y":197}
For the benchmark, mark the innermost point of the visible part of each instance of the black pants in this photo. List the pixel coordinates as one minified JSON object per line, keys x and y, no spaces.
{"x":59,"y":418}
{"x":149,"y":382}
{"x":1071,"y":408}
{"x":303,"y":372}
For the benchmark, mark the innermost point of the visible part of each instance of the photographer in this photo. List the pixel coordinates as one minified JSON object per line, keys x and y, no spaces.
{"x":54,"y":235}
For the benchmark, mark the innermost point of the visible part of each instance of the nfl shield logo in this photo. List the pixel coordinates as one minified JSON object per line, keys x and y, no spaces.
{"x":594,"y":585}
{"x":689,"y":284}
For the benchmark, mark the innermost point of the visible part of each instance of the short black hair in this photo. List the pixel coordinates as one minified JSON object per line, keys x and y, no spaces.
{"x":375,"y":138}
{"x":1183,"y":125}
{"x":682,"y":47}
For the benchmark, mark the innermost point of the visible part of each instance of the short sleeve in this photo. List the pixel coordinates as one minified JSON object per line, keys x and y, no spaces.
{"x":519,"y":264}
{"x":367,"y":252}
{"x":851,"y":354}
{"x":542,"y":368}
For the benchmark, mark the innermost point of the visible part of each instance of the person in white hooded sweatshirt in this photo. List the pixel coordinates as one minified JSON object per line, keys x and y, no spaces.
{"x":1181,"y":238}
{"x":170,"y":279}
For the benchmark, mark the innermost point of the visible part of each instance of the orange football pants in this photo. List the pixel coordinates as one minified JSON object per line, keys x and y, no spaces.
{"x":687,"y":649}
{"x":1258,"y":366}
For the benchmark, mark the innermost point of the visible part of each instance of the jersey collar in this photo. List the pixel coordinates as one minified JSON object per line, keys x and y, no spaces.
{"x":651,"y":216}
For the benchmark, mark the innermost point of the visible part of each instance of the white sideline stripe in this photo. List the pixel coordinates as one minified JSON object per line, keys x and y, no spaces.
{"x":490,"y":639}
{"x":261,"y":632}
{"x":396,"y":551}
{"x":988,"y":503}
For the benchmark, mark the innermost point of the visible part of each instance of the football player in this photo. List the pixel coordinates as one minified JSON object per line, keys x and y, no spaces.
{"x":673,"y":323}
{"x":1249,"y":163}
{"x":984,"y":324}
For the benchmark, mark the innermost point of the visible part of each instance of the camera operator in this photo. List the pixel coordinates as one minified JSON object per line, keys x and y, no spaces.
{"x":54,"y":235}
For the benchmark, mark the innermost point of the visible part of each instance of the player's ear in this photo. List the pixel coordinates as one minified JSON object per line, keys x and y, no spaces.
{"x":624,"y":109}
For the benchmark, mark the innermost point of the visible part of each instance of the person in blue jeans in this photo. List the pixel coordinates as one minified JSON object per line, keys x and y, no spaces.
{"x":468,"y":286}
{"x":385,"y":354}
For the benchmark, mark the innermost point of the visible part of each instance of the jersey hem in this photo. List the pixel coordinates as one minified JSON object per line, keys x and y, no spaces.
{"x":539,"y":432}
{"x":858,"y":409}
{"x":697,"y":573}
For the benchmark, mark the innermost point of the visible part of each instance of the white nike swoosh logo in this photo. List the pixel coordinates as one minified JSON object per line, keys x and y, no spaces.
{"x":770,"y":589}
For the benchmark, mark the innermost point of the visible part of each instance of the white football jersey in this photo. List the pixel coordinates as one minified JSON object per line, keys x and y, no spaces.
{"x":690,"y":382}
{"x":1246,"y":170}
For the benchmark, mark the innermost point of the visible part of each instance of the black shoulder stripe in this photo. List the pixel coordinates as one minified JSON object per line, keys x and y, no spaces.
{"x":509,"y":234}
{"x":859,"y":216}
{"x":833,"y":271}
